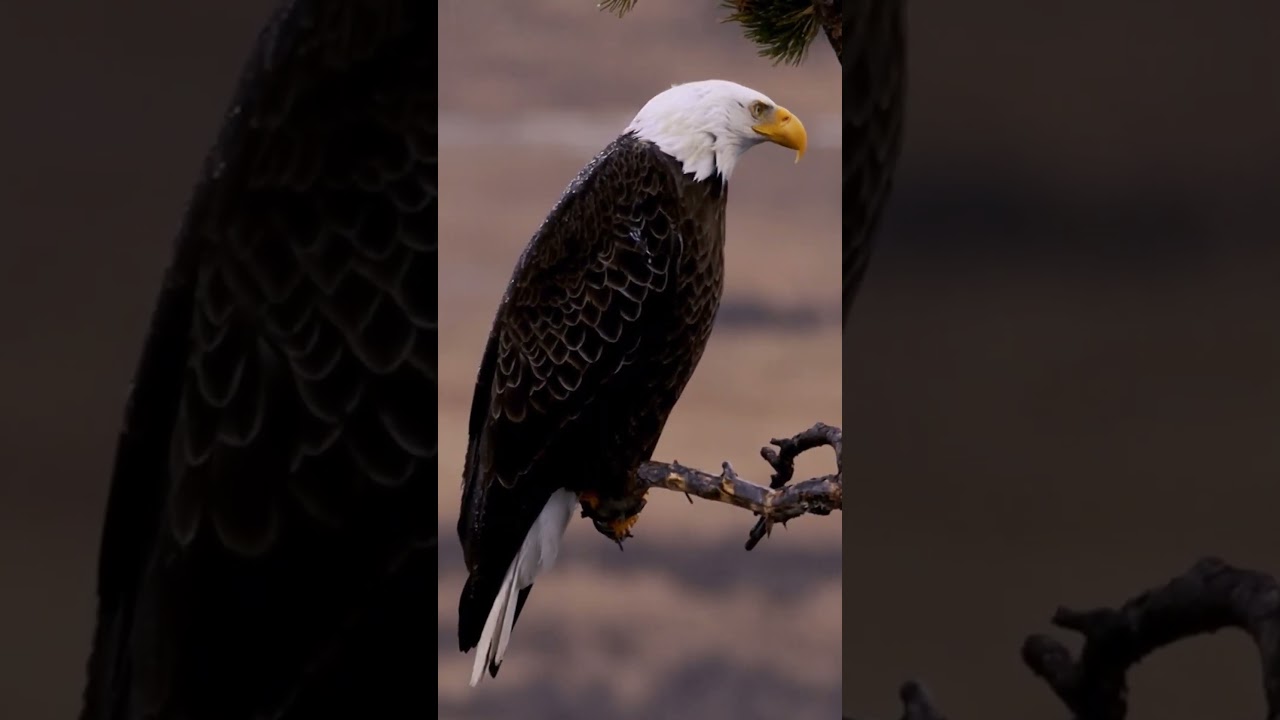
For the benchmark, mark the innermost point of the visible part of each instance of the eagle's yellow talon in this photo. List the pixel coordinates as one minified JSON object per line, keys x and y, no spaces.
{"x":622,"y":528}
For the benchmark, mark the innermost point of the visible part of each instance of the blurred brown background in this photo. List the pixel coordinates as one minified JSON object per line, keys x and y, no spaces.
{"x":684,"y":623}
{"x":1063,"y":376}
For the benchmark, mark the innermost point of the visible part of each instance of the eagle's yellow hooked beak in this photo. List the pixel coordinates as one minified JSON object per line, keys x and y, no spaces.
{"x":786,"y":130}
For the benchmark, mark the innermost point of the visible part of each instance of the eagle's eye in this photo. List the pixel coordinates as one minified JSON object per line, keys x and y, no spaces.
{"x":758,"y":109}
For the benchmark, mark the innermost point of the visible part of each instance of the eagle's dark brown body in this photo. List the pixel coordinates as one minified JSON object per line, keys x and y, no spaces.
{"x":875,"y":86}
{"x":605,"y":319}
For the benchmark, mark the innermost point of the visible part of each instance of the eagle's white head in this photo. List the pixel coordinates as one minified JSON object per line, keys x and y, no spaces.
{"x":708,"y":124}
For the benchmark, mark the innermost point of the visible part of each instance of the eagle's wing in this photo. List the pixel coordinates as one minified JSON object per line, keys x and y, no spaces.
{"x":274,"y":476}
{"x":571,"y":319}
{"x":565,"y":334}
{"x":875,"y":76}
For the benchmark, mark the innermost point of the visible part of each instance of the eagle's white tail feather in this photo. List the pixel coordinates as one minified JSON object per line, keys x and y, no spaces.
{"x":537,"y":554}
{"x":508,"y":618}
{"x":485,"y":650}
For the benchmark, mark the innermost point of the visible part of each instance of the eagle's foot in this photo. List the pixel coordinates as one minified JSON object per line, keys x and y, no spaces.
{"x":613,"y":518}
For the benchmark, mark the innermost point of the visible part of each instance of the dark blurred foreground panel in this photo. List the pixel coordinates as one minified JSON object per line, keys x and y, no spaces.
{"x":268,"y":548}
{"x":1063,"y":372}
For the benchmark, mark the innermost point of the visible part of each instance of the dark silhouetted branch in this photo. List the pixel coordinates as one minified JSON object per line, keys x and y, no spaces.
{"x":916,"y":703}
{"x":777,"y":503}
{"x":1209,"y":597}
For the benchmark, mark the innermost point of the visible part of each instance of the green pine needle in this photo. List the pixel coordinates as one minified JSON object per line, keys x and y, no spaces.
{"x":782,"y":30}
{"x":617,"y":7}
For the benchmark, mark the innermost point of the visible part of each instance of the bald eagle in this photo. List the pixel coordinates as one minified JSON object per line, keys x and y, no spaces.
{"x":601,"y":326}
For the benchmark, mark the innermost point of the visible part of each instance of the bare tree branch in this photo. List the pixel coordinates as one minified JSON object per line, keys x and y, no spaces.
{"x":1209,"y":597}
{"x":777,"y":503}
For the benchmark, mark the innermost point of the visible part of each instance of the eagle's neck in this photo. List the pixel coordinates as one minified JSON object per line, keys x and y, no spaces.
{"x":701,"y":153}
